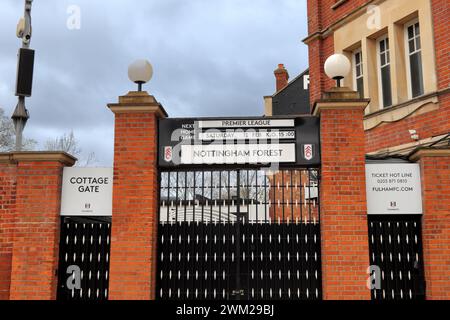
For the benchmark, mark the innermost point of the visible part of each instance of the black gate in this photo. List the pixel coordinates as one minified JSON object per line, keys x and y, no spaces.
{"x":84,"y":258}
{"x":239,"y":234}
{"x":396,"y":248}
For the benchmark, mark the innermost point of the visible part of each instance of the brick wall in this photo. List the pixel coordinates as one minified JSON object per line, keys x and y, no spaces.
{"x":36,"y":234}
{"x":135,"y":202}
{"x":319,"y":51}
{"x":30,"y":194}
{"x":436,"y":225}
{"x":35,"y":227}
{"x":344,"y":229}
{"x":441,"y":19}
{"x":320,"y":17}
{"x":429,"y":124}
{"x":7,"y":215}
{"x":323,"y":15}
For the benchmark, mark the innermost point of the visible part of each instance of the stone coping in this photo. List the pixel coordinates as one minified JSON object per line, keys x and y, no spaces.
{"x":429,"y":152}
{"x":30,"y":156}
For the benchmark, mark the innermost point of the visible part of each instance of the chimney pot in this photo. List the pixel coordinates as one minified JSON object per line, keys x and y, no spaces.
{"x":281,"y":76}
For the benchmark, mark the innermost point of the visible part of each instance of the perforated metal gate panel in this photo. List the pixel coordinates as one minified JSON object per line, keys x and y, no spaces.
{"x":396,"y":248}
{"x":84,"y":256}
{"x":263,"y":244}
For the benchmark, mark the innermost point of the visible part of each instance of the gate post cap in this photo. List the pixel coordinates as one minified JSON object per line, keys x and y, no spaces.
{"x":138,"y":102}
{"x":340,"y":98}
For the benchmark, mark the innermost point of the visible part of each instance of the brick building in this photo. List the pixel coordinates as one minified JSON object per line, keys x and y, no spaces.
{"x":400,"y":57}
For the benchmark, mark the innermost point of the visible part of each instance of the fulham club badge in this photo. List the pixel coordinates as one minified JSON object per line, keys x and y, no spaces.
{"x":308,"y":151}
{"x":167,"y":154}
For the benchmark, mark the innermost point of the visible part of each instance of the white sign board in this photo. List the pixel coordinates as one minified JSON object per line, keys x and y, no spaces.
{"x":246,"y":123}
{"x":393,"y":188}
{"x":87,"y":192}
{"x":237,"y":153}
{"x":246,"y":135}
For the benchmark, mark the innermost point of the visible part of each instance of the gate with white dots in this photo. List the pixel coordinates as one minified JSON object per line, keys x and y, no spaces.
{"x":83,"y":271}
{"x":239,"y":233}
{"x":395,"y":245}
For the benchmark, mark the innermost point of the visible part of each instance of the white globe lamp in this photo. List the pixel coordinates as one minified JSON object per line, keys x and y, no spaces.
{"x":337,"y":67}
{"x":140,"y":72}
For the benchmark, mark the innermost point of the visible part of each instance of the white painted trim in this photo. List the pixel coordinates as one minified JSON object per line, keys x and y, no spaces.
{"x":407,"y":55}
{"x":380,"y":86}
{"x":355,"y":84}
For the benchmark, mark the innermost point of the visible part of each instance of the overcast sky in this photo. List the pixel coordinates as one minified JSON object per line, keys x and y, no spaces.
{"x":210,"y":58}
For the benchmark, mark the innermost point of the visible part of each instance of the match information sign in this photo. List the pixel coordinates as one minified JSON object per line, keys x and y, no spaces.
{"x":222,"y":141}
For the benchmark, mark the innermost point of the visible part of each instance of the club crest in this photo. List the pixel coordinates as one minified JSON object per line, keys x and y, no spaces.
{"x":308,"y":152}
{"x":168,"y":154}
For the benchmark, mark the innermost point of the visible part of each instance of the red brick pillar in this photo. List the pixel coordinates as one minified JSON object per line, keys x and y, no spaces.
{"x":435,"y":172}
{"x":135,"y":197}
{"x":344,"y":229}
{"x":36,"y":224}
{"x":7,"y":214}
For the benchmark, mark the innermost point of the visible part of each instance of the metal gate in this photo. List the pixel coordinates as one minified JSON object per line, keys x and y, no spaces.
{"x":84,"y":258}
{"x":239,"y":234}
{"x":396,"y":248}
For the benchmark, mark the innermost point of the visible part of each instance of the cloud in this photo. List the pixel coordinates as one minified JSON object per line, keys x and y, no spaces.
{"x":211,"y":58}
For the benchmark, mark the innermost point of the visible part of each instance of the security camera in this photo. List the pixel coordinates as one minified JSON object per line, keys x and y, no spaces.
{"x":20,"y":28}
{"x":414,"y":135}
{"x":23,"y":30}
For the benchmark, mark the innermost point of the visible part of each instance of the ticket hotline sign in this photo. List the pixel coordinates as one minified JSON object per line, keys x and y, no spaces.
{"x":393,"y":188}
{"x":240,"y":141}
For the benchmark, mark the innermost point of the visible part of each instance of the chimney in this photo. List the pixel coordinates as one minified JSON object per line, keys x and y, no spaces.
{"x":282,"y":77}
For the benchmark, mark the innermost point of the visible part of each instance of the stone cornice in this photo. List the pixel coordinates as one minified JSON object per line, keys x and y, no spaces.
{"x":429,"y":152}
{"x":422,"y":104}
{"x":138,"y":108}
{"x":339,"y":105}
{"x":41,"y":156}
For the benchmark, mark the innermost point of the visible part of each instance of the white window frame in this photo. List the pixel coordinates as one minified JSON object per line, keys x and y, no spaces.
{"x":408,"y":54}
{"x":355,"y":78}
{"x":380,"y":85}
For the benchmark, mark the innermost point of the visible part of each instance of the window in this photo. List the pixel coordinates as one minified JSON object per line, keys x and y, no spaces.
{"x":358,"y":73}
{"x":414,"y":59}
{"x":384,"y":72}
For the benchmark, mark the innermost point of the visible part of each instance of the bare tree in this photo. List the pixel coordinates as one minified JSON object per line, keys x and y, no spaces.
{"x":6,"y":132}
{"x":7,"y":135}
{"x":68,"y":143}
